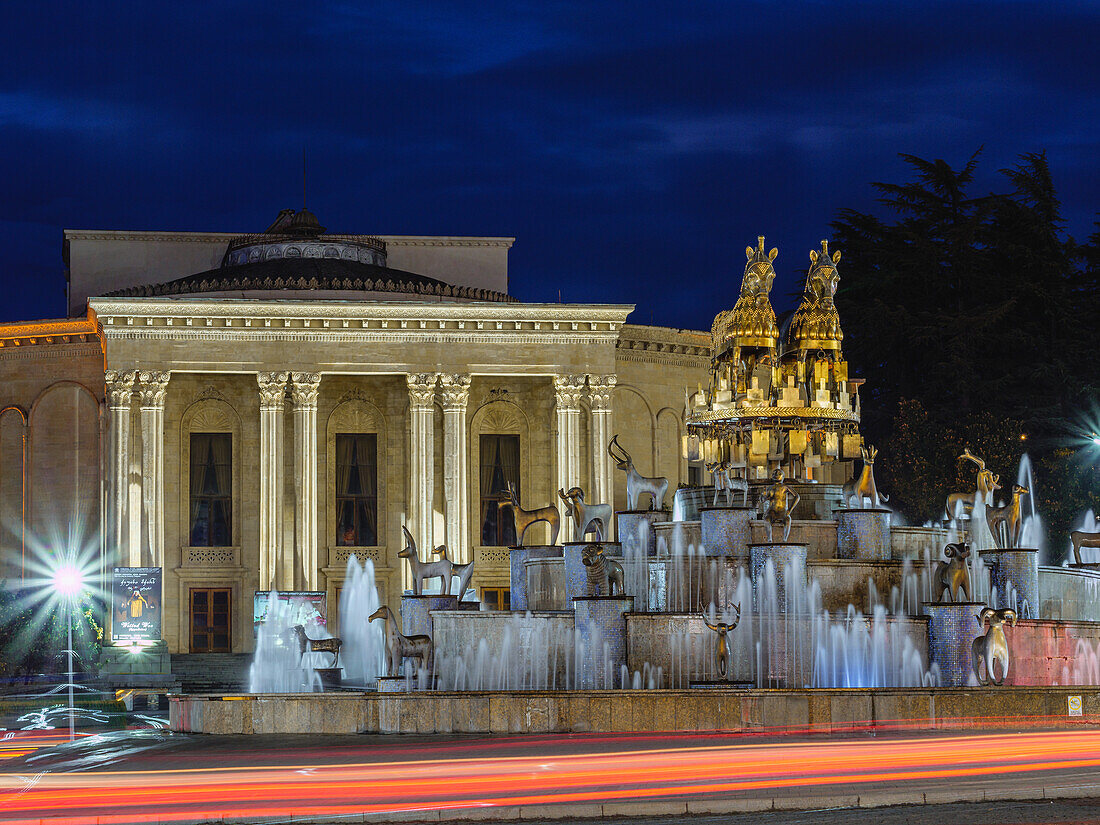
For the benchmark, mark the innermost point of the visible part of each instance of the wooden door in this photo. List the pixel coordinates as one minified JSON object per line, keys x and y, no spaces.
{"x":210,"y":620}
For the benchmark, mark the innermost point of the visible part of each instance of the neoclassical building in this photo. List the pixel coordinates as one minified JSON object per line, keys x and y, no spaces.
{"x":247,"y":412}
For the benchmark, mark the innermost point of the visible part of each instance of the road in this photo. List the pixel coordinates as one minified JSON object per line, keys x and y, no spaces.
{"x":154,"y":776}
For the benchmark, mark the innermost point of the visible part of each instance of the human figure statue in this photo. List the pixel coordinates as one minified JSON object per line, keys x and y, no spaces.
{"x":779,"y":503}
{"x":721,"y":643}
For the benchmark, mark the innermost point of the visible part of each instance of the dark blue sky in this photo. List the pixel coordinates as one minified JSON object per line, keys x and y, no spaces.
{"x":633,"y":149}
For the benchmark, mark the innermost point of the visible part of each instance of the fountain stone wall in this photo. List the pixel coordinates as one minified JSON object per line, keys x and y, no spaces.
{"x":517,"y":559}
{"x":863,"y":534}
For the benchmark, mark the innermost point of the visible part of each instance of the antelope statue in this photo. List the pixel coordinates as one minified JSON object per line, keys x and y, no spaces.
{"x":1008,"y":517}
{"x":463,"y":571}
{"x":721,"y":645}
{"x":1082,"y":539}
{"x":987,"y":483}
{"x":399,"y":647}
{"x":993,"y":646}
{"x":330,"y":645}
{"x":864,"y":487}
{"x":953,"y":575}
{"x":722,"y":473}
{"x":441,"y":568}
{"x":525,"y":518}
{"x":604,"y":576}
{"x":587,"y":518}
{"x":636,"y":483}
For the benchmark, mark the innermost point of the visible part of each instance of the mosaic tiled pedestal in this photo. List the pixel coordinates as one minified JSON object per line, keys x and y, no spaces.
{"x":416,"y":612}
{"x":517,"y":581}
{"x":1015,"y":570}
{"x":576,"y":574}
{"x":636,"y":533}
{"x":600,"y":640}
{"x":726,"y":530}
{"x":863,"y":534}
{"x":952,"y":628}
{"x":392,"y":684}
{"x":786,"y":557}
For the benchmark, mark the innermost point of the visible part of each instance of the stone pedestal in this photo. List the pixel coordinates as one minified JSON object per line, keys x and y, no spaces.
{"x":517,"y":573}
{"x":600,"y":641}
{"x":1015,"y":570}
{"x":726,"y":530}
{"x":686,"y":502}
{"x":782,"y":555}
{"x":416,"y":612}
{"x":392,"y":684}
{"x":952,"y":628}
{"x":636,"y":533}
{"x":863,"y":534}
{"x":576,"y":574}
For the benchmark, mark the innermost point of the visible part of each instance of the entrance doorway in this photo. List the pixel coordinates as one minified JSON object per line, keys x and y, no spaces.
{"x":210,"y":620}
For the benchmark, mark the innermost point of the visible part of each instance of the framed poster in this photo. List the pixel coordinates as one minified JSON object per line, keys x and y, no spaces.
{"x":135,"y":604}
{"x":309,"y":608}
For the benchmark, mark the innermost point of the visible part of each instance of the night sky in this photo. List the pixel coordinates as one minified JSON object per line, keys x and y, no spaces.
{"x":633,"y":149}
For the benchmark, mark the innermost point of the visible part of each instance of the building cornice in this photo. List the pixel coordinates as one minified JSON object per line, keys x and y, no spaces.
{"x":51,"y":332}
{"x":663,"y":345}
{"x":226,"y":237}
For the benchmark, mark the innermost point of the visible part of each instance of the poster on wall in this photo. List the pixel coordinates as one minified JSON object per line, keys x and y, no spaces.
{"x":309,"y":608}
{"x":135,"y":604}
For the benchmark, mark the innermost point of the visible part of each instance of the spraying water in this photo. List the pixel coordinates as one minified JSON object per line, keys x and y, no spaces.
{"x":363,"y":651}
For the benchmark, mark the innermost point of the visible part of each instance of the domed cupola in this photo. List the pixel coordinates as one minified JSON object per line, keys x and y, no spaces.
{"x":300,"y":235}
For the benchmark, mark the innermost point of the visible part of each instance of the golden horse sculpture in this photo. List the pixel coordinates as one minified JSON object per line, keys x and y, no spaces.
{"x":1009,"y":518}
{"x":721,"y":644}
{"x":953,"y":575}
{"x":993,"y":646}
{"x":864,"y":487}
{"x":1082,"y":539}
{"x":400,"y":647}
{"x":522,"y":519}
{"x":987,"y":483}
{"x":779,"y":503}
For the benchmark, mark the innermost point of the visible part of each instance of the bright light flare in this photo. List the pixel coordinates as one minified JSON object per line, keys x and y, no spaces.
{"x":68,"y":581}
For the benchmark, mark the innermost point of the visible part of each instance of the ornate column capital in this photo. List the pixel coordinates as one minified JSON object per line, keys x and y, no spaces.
{"x":421,"y":389}
{"x":600,"y":389}
{"x":153,"y":387}
{"x":272,"y":389}
{"x":304,"y":388}
{"x":455,"y":390}
{"x":568,"y":390}
{"x":120,"y":387}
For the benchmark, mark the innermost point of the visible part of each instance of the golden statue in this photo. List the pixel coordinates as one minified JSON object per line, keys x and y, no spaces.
{"x":749,"y":332}
{"x":953,"y":575}
{"x":779,"y":502}
{"x":864,"y":486}
{"x":816,"y":323}
{"x":721,"y":644}
{"x":1008,"y":517}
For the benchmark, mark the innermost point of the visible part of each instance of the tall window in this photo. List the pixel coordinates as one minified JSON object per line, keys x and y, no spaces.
{"x":499,"y":465}
{"x":211,"y":489}
{"x":357,"y":490}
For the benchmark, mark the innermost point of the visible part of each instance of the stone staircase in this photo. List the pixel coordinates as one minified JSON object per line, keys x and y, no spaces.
{"x":212,"y":672}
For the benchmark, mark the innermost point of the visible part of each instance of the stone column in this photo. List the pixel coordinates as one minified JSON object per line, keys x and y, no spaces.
{"x":421,"y":458}
{"x":272,"y":397}
{"x":600,"y":390}
{"x":567,"y":397}
{"x":153,"y":387}
{"x":455,"y":391}
{"x":125,"y":549}
{"x":303,"y":393}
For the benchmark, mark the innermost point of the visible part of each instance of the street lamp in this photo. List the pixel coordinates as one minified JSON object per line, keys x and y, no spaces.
{"x":68,"y":581}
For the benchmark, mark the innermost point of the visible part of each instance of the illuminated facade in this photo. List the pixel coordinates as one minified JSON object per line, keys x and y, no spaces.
{"x":250,"y":411}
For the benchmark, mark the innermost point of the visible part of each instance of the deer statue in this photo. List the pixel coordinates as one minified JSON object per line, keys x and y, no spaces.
{"x":987,"y":483}
{"x":864,"y":487}
{"x":330,"y":645}
{"x":1007,"y":517}
{"x":464,"y":572}
{"x":604,"y":576}
{"x":399,"y":647}
{"x":587,"y":518}
{"x":636,"y":483}
{"x":993,"y":646}
{"x":525,"y":518}
{"x":724,"y":481}
{"x":953,"y":575}
{"x":721,"y":645}
{"x":1080,"y":539}
{"x":441,"y":568}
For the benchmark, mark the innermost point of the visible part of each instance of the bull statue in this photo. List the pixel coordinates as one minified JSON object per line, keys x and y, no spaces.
{"x":992,"y":648}
{"x":636,"y":483}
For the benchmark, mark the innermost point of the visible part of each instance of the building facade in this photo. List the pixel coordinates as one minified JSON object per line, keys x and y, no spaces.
{"x":248,"y":412}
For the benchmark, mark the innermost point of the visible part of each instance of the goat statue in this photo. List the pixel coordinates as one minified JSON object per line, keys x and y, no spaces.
{"x":399,"y":647}
{"x":636,"y":483}
{"x":1009,"y":518}
{"x":525,"y":518}
{"x":993,"y":646}
{"x":604,"y":576}
{"x":724,"y":482}
{"x":721,"y":644}
{"x":440,"y":568}
{"x":587,"y":518}
{"x":953,"y":575}
{"x":863,"y":487}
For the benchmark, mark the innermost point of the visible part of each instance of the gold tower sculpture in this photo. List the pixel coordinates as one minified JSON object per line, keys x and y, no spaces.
{"x":747,"y":335}
{"x":816,"y":323}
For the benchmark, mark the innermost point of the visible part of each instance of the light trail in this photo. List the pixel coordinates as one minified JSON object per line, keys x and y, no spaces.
{"x":561,"y":773}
